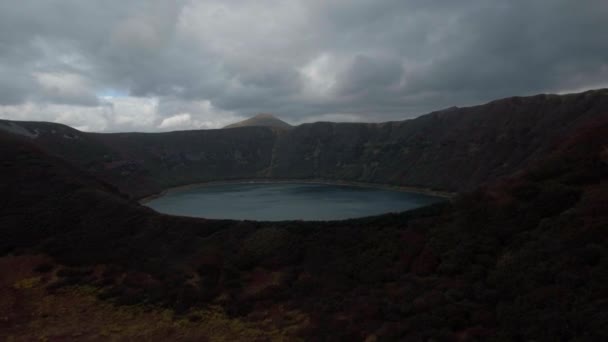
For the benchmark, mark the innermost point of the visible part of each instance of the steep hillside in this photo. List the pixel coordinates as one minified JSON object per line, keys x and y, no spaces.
{"x":456,"y":149}
{"x":523,"y":258}
{"x":453,"y":150}
{"x":141,"y":164}
{"x":266,"y":120}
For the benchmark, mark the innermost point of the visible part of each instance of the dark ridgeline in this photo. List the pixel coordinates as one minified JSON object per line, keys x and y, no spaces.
{"x":521,"y":254}
{"x":453,"y":150}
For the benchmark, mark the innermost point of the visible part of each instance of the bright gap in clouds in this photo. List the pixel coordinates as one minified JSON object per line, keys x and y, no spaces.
{"x":121,"y":114}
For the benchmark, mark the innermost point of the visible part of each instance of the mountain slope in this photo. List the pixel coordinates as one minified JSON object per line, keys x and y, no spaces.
{"x":265,"y":120}
{"x":452,"y":150}
{"x":523,"y":258}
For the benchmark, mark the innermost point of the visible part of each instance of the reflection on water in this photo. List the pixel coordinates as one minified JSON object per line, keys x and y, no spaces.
{"x":286,"y":201}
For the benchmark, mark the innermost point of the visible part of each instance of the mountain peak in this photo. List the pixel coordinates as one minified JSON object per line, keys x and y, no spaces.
{"x":264,"y":116}
{"x":261,"y":119}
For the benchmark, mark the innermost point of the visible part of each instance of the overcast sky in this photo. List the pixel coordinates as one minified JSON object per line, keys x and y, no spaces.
{"x":157,"y":65}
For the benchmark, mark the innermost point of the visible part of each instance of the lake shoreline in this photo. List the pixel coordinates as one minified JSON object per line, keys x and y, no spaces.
{"x":416,"y":190}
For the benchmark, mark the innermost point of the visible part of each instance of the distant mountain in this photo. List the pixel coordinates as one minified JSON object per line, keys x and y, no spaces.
{"x":266,"y":120}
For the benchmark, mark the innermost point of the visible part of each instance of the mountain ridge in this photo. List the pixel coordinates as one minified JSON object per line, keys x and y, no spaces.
{"x":524,"y":257}
{"x":477,"y":144}
{"x":262,"y":119}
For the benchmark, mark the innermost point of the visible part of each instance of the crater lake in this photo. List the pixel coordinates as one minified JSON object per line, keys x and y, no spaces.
{"x":286,"y":201}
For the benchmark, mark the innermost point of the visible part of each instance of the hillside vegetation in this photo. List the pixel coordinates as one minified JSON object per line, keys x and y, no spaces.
{"x":521,"y":257}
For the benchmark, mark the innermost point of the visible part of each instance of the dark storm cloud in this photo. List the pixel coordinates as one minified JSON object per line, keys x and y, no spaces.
{"x":180,"y":63}
{"x":515,"y":48}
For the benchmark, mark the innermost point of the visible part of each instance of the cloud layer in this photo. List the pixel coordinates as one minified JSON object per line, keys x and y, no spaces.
{"x":151,"y":65}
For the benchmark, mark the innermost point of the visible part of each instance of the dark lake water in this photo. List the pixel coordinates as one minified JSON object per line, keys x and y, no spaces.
{"x":286,"y":201}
